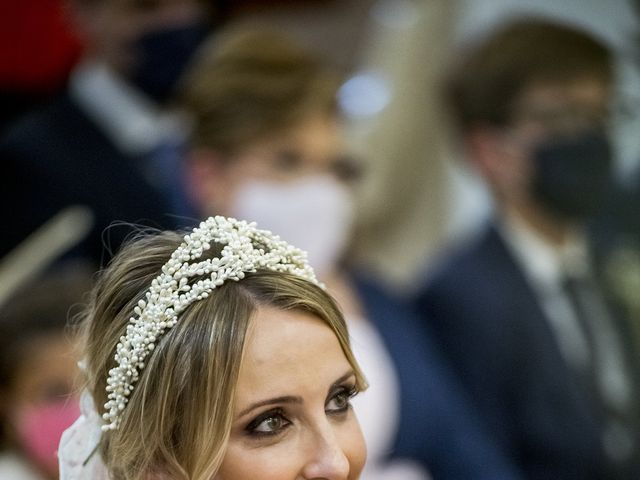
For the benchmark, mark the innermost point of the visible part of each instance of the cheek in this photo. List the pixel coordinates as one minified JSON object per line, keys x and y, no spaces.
{"x":275,"y":462}
{"x":514,"y":175}
{"x":522,"y":172}
{"x":354,"y":447}
{"x":286,"y":459}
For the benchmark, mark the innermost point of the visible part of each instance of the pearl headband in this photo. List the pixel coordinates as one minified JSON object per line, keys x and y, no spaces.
{"x":246,"y":249}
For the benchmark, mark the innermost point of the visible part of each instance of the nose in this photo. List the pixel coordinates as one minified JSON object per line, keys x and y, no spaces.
{"x":327,"y":459}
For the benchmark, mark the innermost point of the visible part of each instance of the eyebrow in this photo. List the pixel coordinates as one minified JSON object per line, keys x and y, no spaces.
{"x":290,"y":399}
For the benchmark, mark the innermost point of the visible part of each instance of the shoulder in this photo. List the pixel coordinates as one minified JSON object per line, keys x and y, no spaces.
{"x":391,"y":314}
{"x":472,"y":297}
{"x":467,"y":269}
{"x":61,"y":107}
{"x":407,"y":336}
{"x":44,"y":131}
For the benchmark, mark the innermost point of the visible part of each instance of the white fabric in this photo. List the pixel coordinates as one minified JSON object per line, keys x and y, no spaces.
{"x":378,"y":408}
{"x":132,"y":121}
{"x":13,"y":467}
{"x":545,"y":266}
{"x":542,"y":265}
{"x":79,"y":459}
{"x":314,"y":213}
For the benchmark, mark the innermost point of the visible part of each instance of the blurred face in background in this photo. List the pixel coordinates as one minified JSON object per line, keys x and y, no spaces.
{"x":39,"y":403}
{"x":148,"y":42}
{"x":554,"y":155}
{"x":297,"y":183}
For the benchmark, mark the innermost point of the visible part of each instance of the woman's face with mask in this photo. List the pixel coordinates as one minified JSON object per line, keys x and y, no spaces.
{"x":39,"y":404}
{"x":297,"y":183}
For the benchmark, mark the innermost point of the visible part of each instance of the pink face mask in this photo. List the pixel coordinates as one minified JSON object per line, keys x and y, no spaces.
{"x":40,"y":428}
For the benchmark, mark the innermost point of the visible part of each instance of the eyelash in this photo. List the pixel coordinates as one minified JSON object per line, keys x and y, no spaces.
{"x":348,"y":392}
{"x":345,"y":391}
{"x":252,"y":428}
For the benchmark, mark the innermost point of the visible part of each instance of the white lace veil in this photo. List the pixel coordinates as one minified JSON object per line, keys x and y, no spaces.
{"x":78,"y":455}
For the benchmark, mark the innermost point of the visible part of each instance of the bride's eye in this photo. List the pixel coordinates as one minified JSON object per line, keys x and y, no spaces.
{"x":340,"y":402}
{"x":269,"y":423}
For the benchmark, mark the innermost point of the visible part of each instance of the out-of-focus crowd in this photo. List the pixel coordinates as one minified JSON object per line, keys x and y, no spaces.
{"x":465,"y":177}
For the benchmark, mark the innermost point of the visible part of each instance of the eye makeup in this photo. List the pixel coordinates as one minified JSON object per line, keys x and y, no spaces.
{"x":339,"y":401}
{"x":268,"y":424}
{"x":278,"y":419}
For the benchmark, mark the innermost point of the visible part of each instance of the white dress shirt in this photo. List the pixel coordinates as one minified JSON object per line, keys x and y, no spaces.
{"x":545,"y":266}
{"x":133,"y":122}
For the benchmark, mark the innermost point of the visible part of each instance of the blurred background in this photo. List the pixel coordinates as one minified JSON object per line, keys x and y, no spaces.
{"x":393,"y":54}
{"x":95,"y":133}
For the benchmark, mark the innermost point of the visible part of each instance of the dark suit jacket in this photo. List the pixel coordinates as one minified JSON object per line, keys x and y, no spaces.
{"x":58,"y":157}
{"x":485,"y":316}
{"x":438,"y":427}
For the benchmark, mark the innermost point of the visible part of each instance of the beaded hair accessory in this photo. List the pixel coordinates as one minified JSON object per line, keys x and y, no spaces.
{"x":246,"y":249}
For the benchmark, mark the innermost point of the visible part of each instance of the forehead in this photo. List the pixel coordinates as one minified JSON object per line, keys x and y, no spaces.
{"x":315,"y":132}
{"x":289,"y":353}
{"x":315,"y":142}
{"x":587,"y":90}
{"x":49,"y":359}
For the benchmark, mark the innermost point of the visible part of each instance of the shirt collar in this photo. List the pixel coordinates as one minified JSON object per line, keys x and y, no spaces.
{"x":132,"y":121}
{"x":542,"y":262}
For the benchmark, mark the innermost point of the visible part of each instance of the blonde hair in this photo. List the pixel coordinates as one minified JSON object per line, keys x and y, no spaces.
{"x":178,"y":418}
{"x":251,"y":83}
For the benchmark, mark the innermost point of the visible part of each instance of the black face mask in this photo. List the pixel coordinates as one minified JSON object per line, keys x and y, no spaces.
{"x":572,"y":173}
{"x":162,"y":56}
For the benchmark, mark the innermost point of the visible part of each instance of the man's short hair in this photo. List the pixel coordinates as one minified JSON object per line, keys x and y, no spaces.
{"x":484,"y":85}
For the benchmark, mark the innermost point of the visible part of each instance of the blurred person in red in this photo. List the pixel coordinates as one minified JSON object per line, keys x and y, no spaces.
{"x":37,"y":51}
{"x":524,"y":312}
{"x":110,"y":141}
{"x":38,"y":373}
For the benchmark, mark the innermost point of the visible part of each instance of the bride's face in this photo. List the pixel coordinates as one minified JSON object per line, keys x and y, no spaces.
{"x":292,"y":416}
